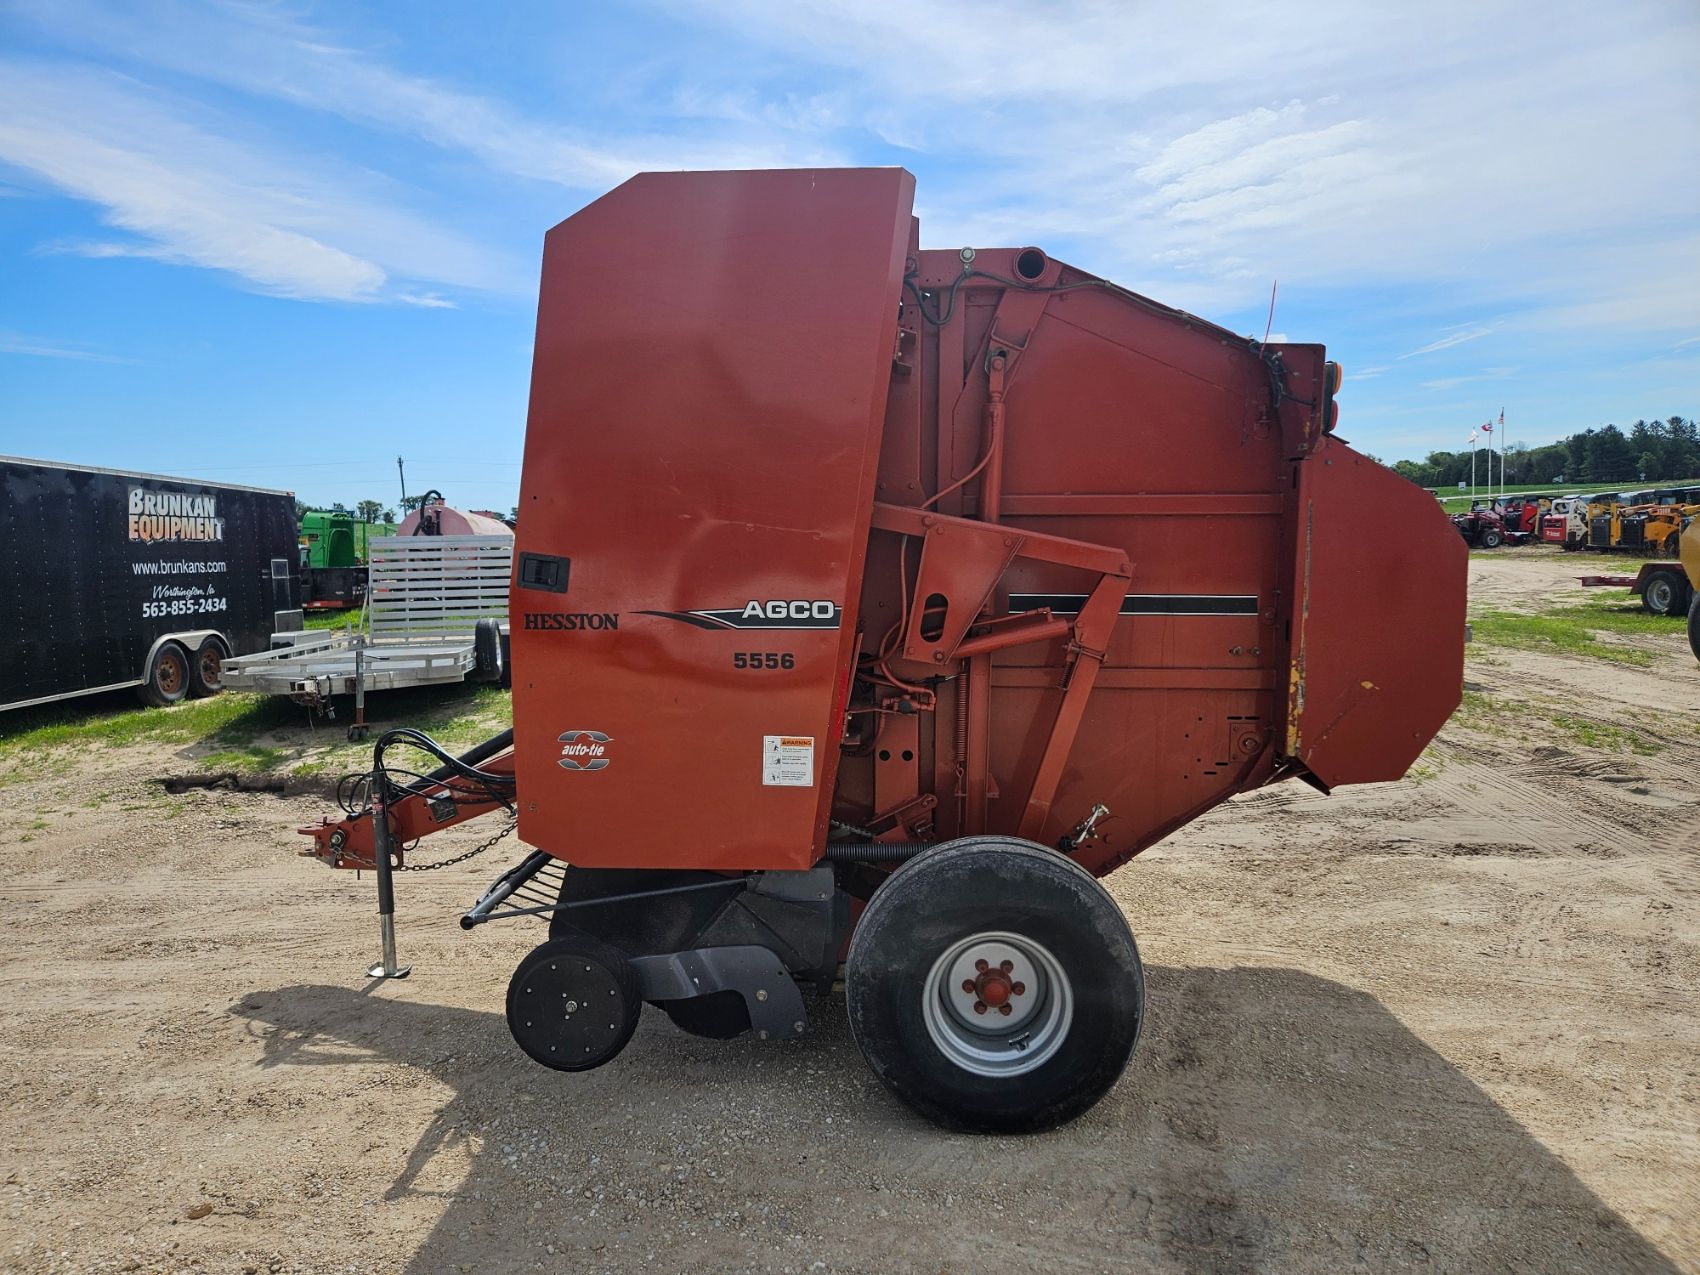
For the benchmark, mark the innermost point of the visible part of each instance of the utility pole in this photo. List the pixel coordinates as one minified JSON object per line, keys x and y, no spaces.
{"x":403,"y":473}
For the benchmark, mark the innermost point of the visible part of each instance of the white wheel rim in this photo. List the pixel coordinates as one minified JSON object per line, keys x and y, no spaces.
{"x":1024,"y":998}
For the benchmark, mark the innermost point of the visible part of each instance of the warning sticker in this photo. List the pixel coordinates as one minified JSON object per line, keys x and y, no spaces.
{"x":788,"y":761}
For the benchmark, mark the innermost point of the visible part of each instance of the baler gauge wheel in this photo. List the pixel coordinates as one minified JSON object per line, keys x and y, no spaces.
{"x":994,"y":986}
{"x":573,"y":1003}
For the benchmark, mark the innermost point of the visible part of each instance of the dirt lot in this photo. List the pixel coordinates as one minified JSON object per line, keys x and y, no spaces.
{"x":1446,"y":1024}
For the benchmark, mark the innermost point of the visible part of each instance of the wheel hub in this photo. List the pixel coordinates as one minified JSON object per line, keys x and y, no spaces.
{"x":997,"y":1004}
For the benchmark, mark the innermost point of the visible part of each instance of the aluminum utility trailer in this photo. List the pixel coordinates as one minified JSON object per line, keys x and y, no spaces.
{"x":426,"y":596}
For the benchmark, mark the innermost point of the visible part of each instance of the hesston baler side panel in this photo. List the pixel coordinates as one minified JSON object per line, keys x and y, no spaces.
{"x":714,"y":352}
{"x":1127,"y":425}
{"x":1377,"y":653}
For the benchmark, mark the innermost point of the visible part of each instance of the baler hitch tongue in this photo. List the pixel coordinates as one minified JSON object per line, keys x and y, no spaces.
{"x":328,"y":841}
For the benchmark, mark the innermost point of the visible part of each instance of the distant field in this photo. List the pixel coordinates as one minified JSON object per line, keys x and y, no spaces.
{"x":1453,"y":502}
{"x":333,"y":619}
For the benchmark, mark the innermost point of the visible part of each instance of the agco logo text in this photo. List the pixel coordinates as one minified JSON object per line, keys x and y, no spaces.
{"x":173,"y":515}
{"x":584,"y":750}
{"x":774,"y":613}
{"x":820,"y":612}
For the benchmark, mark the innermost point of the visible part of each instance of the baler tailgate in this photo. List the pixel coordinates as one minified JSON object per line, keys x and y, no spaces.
{"x":1368,"y":683}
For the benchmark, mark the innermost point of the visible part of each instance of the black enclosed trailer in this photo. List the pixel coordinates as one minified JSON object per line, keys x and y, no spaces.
{"x":111,"y":579}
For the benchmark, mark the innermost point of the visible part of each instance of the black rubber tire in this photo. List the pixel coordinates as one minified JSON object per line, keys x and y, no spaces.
{"x":1684,"y":595}
{"x":608,"y":969}
{"x":1694,"y":625}
{"x":994,"y":884}
{"x":206,"y":676}
{"x":167,"y":678}
{"x":487,"y":652}
{"x":1491,"y":538}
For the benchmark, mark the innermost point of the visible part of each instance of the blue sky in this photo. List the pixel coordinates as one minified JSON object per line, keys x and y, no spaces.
{"x":282,"y":243}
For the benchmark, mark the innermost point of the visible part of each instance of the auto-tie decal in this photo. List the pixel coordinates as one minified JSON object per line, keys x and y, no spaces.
{"x":584,"y":750}
{"x":776,"y":613}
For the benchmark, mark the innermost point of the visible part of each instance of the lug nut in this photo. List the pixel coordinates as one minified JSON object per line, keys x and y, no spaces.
{"x":968,"y":986}
{"x":979,"y":1007}
{"x":1007,"y":966}
{"x":1006,"y":1010}
{"x":981,"y":966}
{"x":1019,"y":989}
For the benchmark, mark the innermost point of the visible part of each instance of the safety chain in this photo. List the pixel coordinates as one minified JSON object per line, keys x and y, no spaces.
{"x":478,"y":849}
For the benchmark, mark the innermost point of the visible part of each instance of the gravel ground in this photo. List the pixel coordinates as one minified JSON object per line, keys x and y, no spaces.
{"x":1446,"y":1024}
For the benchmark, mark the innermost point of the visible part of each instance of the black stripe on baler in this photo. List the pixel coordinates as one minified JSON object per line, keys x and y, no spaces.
{"x":1142,"y":603}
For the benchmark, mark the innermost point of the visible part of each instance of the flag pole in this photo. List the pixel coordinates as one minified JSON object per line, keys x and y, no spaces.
{"x":1503,"y":442}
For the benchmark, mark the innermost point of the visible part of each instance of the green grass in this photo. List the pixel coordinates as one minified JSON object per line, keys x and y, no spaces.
{"x":1546,"y":720}
{"x":1615,"y":611}
{"x":333,"y":619}
{"x":1598,"y":735}
{"x":1564,"y":630}
{"x":250,"y":758}
{"x":118,"y":720}
{"x":1483,"y":713}
{"x":245,"y":732}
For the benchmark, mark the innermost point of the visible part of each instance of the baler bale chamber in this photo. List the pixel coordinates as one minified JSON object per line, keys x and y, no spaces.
{"x":870,"y":602}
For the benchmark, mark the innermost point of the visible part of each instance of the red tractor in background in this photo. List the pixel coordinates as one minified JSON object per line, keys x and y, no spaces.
{"x":1512,"y":520}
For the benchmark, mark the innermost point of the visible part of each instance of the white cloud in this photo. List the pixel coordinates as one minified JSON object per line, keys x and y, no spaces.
{"x":1197,"y":156}
{"x":1447,"y":342}
{"x":1452,"y":382}
{"x":286,"y":225}
{"x":262,"y":49}
{"x":42,"y":348}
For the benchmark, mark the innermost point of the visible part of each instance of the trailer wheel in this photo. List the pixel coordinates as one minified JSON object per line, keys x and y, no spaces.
{"x":487,"y":651}
{"x":1694,"y":625}
{"x":994,"y":986}
{"x":206,"y":670}
{"x":1659,"y":596}
{"x":1491,"y":538}
{"x":167,"y":677}
{"x":573,"y":1003}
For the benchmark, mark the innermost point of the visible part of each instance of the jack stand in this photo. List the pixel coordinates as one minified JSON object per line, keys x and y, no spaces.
{"x":357,"y":731}
{"x":387,"y":967}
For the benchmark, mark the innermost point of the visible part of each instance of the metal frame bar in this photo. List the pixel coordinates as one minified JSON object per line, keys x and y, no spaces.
{"x":1089,"y":635}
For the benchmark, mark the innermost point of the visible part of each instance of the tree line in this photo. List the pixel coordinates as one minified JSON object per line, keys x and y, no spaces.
{"x":1647,"y":452}
{"x":374,"y":510}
